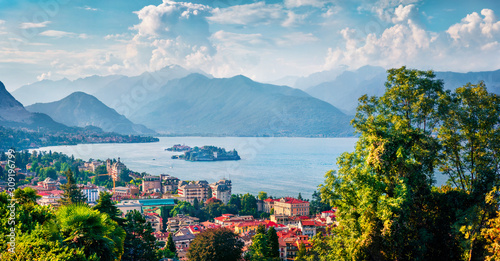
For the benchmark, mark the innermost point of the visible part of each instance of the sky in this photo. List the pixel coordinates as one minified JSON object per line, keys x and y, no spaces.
{"x":263,"y":40}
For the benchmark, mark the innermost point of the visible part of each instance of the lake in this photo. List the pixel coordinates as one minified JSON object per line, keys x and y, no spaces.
{"x":279,"y":166}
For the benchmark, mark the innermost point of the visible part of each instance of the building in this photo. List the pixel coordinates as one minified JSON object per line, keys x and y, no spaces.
{"x":115,"y":169}
{"x":192,"y":190}
{"x":129,"y":205}
{"x":180,"y":221}
{"x":91,"y":192}
{"x":309,"y":227}
{"x":269,"y":204}
{"x":221,"y":190}
{"x":151,"y":184}
{"x":230,"y":219}
{"x":91,"y":166}
{"x":291,"y":207}
{"x":155,"y":220}
{"x":50,"y":184}
{"x":169,"y":184}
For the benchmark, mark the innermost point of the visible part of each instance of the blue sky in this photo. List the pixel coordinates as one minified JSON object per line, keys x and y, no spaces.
{"x":264,"y":40}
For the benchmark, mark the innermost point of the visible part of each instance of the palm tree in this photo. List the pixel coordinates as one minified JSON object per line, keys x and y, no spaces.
{"x":95,"y":232}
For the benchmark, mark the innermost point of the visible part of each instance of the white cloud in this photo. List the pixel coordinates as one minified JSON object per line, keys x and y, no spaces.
{"x":59,"y":34}
{"x":297,"y":38}
{"x":88,"y":8}
{"x":55,"y":33}
{"x":385,"y":9}
{"x":34,"y":25}
{"x":475,"y":28}
{"x":465,"y":46}
{"x":44,"y":76}
{"x":250,"y":14}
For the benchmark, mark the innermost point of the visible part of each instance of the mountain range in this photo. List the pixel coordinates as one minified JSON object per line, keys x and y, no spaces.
{"x":344,"y":91}
{"x":80,"y":110}
{"x":238,"y":106}
{"x":176,"y":101}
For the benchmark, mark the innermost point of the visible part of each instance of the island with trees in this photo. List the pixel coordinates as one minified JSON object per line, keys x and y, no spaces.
{"x":208,"y":153}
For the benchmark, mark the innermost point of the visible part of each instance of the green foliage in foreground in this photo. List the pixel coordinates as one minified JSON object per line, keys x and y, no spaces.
{"x":388,"y":208}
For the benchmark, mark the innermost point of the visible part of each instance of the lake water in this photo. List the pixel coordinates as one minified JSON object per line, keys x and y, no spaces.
{"x":278,"y":166}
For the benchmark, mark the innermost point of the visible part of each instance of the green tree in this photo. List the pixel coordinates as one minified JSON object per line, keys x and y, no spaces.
{"x":317,"y":205}
{"x":216,"y":245}
{"x":300,"y":197}
{"x":301,"y":254}
{"x":273,"y":243}
{"x":140,"y":244}
{"x":383,"y":188}
{"x":72,"y":194}
{"x":26,"y":195}
{"x":262,"y":195}
{"x":83,"y":228}
{"x":183,"y":207}
{"x":260,"y":247}
{"x":171,"y":244}
{"x":106,"y":205}
{"x":248,"y":205}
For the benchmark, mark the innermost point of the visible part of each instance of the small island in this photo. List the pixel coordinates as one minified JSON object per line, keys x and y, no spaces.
{"x":208,"y":153}
{"x":179,"y":148}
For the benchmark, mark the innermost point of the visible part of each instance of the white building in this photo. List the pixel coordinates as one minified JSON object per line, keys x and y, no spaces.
{"x":221,"y":190}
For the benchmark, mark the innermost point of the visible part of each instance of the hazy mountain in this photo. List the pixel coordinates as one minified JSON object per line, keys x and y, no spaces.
{"x":13,"y":114}
{"x":344,"y":91}
{"x":110,"y":90}
{"x":314,"y":79}
{"x":129,"y":93}
{"x":80,"y":110}
{"x":452,"y":80}
{"x":49,"y":91}
{"x":239,"y":106}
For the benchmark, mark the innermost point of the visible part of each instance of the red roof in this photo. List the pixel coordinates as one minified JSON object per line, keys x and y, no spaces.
{"x":290,"y":200}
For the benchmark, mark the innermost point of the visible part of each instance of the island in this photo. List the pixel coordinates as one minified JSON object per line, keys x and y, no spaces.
{"x":208,"y":153}
{"x":179,"y":148}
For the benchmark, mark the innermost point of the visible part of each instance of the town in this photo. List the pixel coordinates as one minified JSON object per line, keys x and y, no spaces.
{"x":173,"y":207}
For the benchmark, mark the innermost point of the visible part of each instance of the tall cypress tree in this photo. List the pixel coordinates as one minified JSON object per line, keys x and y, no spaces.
{"x":72,"y":194}
{"x":171,"y":244}
{"x":274,"y":245}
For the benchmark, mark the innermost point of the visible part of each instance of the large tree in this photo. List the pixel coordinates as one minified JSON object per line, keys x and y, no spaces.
{"x":383,"y":188}
{"x":220,"y":244}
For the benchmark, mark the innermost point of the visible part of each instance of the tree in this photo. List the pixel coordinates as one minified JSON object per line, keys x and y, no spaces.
{"x":183,"y":207}
{"x":300,"y":197}
{"x":94,"y":232}
{"x":273,"y":243}
{"x":260,"y":247}
{"x":383,"y":188}
{"x":72,"y":194}
{"x":248,"y":205}
{"x":471,"y":147}
{"x":317,"y":205}
{"x":262,"y":195}
{"x":171,"y":244}
{"x":215,"y":245}
{"x":106,"y":205}
{"x":301,"y":254}
{"x":26,"y":195}
{"x":140,"y":244}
